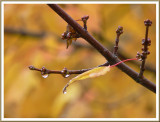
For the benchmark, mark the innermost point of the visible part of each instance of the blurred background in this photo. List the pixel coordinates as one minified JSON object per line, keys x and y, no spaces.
{"x":32,"y":36}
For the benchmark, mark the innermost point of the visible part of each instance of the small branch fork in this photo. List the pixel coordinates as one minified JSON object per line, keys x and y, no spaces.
{"x":146,"y":42}
{"x":110,"y":57}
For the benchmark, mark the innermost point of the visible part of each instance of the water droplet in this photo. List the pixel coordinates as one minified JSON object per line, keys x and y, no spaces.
{"x":45,"y":75}
{"x":64,"y":92}
{"x":66,"y":75}
{"x":65,"y":89}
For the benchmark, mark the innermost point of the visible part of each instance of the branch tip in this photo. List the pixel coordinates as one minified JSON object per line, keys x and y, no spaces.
{"x":31,"y":67}
{"x":119,"y":31}
{"x":147,"y":22}
{"x":145,"y":42}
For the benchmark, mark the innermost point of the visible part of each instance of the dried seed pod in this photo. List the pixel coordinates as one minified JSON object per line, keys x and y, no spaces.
{"x":70,"y":34}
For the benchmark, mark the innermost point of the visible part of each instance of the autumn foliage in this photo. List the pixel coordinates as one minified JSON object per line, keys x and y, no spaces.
{"x":33,"y":37}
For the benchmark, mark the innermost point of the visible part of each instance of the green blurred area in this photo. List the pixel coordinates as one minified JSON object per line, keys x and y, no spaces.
{"x":33,"y":37}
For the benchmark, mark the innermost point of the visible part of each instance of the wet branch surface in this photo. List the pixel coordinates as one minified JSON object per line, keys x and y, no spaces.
{"x":111,"y":58}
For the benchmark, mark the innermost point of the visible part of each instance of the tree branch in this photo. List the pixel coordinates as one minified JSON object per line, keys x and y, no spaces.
{"x":126,"y":55}
{"x":146,"y":42}
{"x":65,"y":72}
{"x":119,"y":31}
{"x":101,"y":49}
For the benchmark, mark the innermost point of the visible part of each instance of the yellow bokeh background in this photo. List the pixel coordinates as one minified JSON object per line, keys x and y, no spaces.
{"x":115,"y":95}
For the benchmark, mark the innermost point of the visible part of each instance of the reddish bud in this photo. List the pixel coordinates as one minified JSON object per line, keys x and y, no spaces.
{"x":148,"y":42}
{"x":119,"y":30}
{"x":143,"y":41}
{"x":65,"y":73}
{"x":64,"y":35}
{"x":31,"y":67}
{"x":138,"y":56}
{"x":86,"y":17}
{"x":43,"y":70}
{"x":148,"y":22}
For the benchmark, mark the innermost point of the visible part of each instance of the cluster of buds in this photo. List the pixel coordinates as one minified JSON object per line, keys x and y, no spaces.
{"x":119,"y":31}
{"x":145,"y":51}
{"x":65,"y":73}
{"x":147,"y":22}
{"x":44,"y":71}
{"x":70,"y":34}
{"x":145,"y":42}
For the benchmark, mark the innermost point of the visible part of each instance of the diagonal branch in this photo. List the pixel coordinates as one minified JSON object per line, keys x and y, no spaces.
{"x":101,"y":49}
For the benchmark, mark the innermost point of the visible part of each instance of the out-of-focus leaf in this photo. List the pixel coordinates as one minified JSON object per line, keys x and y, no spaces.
{"x":58,"y":106}
{"x":88,"y":74}
{"x":28,"y":95}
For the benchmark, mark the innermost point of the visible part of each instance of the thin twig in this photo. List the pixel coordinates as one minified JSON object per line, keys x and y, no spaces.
{"x":104,"y":51}
{"x":119,"y":31}
{"x":146,"y":42}
{"x":65,"y":72}
{"x":123,"y":56}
